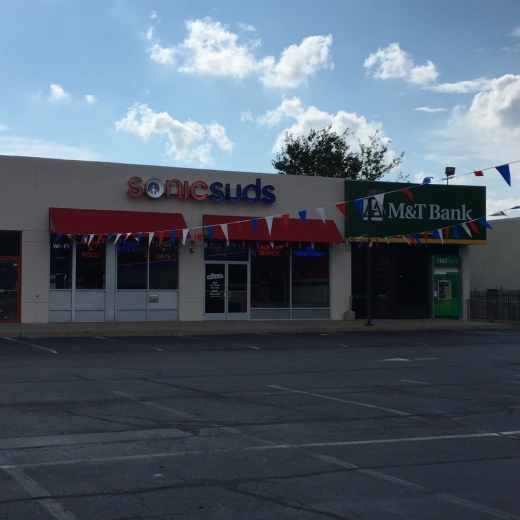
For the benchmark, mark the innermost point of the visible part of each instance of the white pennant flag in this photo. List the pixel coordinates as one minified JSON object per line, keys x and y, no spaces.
{"x":379,"y":200}
{"x":272,"y":245}
{"x":466,"y":229}
{"x":406,"y":240}
{"x":387,"y":240}
{"x":150,"y":237}
{"x":118,"y":236}
{"x":90,"y":239}
{"x":312,"y":245}
{"x":269,"y":221}
{"x":321,"y":213}
{"x":225,"y":231}
{"x":441,"y":235}
{"x":184,"y":235}
{"x":371,"y":243}
{"x":126,"y":238}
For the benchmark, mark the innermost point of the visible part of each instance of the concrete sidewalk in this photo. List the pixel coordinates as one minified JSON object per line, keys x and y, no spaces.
{"x":173,"y":328}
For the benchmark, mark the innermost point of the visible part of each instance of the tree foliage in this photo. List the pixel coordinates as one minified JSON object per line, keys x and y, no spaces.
{"x":325,"y":153}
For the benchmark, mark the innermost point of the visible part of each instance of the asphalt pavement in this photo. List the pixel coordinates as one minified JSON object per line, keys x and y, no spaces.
{"x":414,"y":424}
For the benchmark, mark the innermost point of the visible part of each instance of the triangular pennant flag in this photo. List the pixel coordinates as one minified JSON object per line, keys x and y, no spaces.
{"x":272,"y":245}
{"x":321,"y":213}
{"x":377,"y":241}
{"x":341,"y":207}
{"x":359,"y":205}
{"x":184,"y":235}
{"x":407,"y":192}
{"x":197,"y":234}
{"x":109,"y":237}
{"x":139,"y":236}
{"x":254,"y":223}
{"x":90,"y":239}
{"x":455,"y":232}
{"x":498,"y":214}
{"x":58,"y":237}
{"x":100,"y":237}
{"x":312,"y":246}
{"x":484,"y":223}
{"x":515,"y":207}
{"x":406,"y":240}
{"x":269,"y":221}
{"x":371,"y":244}
{"x":362,"y":242}
{"x":160,"y":234}
{"x":474,"y":227}
{"x":225,"y":231}
{"x":426,"y":237}
{"x":379,"y":199}
{"x":118,"y":236}
{"x":303,"y":215}
{"x":173,"y":235}
{"x":427,"y":180}
{"x":416,"y":238}
{"x":285,"y":221}
{"x":387,"y":240}
{"x":150,"y":237}
{"x":478,"y":173}
{"x":435,"y":234}
{"x":126,"y":238}
{"x":446,"y":233}
{"x":466,"y":229}
{"x":439,"y":231}
{"x":504,"y":171}
{"x":210,"y":233}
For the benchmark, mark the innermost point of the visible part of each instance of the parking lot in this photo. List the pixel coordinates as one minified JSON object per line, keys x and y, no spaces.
{"x":339,"y":425}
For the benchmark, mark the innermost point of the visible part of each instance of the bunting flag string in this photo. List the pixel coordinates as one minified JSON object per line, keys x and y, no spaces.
{"x":224,"y":228}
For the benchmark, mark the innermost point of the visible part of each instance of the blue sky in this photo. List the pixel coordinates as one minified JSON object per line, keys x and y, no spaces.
{"x":217,"y":84}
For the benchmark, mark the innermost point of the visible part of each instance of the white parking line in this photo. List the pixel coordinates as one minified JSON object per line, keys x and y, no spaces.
{"x":412,"y":381}
{"x":357,"y":403}
{"x":31,"y":345}
{"x":248,"y":346}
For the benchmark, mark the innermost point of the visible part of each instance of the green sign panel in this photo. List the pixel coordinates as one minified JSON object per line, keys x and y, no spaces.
{"x":412,"y":209}
{"x":446,"y":261}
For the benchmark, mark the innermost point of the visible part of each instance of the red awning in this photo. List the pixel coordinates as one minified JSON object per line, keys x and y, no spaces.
{"x":293,"y":230}
{"x":69,"y":221}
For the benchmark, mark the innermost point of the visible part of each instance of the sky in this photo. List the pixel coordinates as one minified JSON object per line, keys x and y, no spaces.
{"x":218,"y":84}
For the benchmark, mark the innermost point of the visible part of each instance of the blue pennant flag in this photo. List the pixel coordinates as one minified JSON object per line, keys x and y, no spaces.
{"x":359,"y":205}
{"x":484,"y":223}
{"x":417,"y":238}
{"x":210,"y":233}
{"x":109,"y":237}
{"x":455,"y":232}
{"x":83,"y":238}
{"x":436,"y":234}
{"x":303,"y":215}
{"x":504,"y":171}
{"x":58,"y":237}
{"x":173,"y":233}
{"x":515,"y":207}
{"x":427,"y":180}
{"x":254,"y":223}
{"x":139,"y":236}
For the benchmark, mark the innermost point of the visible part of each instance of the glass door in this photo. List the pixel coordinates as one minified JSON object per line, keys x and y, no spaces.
{"x":9,"y":284}
{"x":226,"y":294}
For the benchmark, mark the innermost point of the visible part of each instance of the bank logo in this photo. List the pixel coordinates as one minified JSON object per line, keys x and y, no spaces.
{"x":154,"y":188}
{"x":214,"y":276}
{"x":377,"y":210}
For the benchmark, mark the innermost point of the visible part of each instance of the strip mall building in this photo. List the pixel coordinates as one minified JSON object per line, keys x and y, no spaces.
{"x":90,"y":241}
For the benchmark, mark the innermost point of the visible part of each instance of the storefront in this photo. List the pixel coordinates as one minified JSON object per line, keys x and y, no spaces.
{"x":85,"y":241}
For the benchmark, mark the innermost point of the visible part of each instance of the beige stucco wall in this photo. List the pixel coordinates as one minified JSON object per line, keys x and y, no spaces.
{"x":495,"y":264}
{"x":31,"y":185}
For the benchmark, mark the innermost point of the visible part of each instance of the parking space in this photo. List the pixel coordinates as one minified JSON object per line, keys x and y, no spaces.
{"x":400,"y":425}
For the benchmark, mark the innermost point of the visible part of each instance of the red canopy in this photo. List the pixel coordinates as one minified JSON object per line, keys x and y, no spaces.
{"x":70,"y":221}
{"x":283,"y":230}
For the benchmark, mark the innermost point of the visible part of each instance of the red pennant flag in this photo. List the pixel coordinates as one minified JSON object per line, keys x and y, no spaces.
{"x":160,"y":234}
{"x":478,"y":173}
{"x":426,"y":237}
{"x":473,"y":226}
{"x":285,"y":220}
{"x":446,"y":232}
{"x":377,"y":241}
{"x":341,"y":207}
{"x":197,"y":232}
{"x":407,"y":192}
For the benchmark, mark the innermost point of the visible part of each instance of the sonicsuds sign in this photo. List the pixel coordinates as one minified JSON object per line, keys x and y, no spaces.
{"x":412,"y":209}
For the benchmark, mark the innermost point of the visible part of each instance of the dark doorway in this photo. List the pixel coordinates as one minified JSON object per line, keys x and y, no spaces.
{"x":400,"y":281}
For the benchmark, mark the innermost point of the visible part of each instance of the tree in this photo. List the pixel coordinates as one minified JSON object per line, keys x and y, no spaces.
{"x":325,"y":153}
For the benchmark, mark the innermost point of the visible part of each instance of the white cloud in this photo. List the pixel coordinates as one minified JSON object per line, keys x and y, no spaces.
{"x":89,"y":98}
{"x":393,"y":62}
{"x":2,"y":127}
{"x":307,"y":118}
{"x":298,"y":62}
{"x":162,"y":55}
{"x":182,"y":138}
{"x":516,"y":32}
{"x":490,"y":128}
{"x":430,"y":110}
{"x":463,"y":87}
{"x":38,"y":148}
{"x":246,"y":115}
{"x":212,"y":49}
{"x":58,"y":93}
{"x":246,"y":27}
{"x":153,"y":16}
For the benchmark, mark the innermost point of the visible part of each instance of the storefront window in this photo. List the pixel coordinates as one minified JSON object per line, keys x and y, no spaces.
{"x":310,"y":276}
{"x":90,"y":265}
{"x":61,"y":262}
{"x":9,"y":243}
{"x":236,"y":250}
{"x":164,"y":264}
{"x":270,"y":268}
{"x":132,"y":264}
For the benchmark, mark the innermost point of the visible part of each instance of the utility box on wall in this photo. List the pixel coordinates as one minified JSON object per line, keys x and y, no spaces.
{"x":446,"y":289}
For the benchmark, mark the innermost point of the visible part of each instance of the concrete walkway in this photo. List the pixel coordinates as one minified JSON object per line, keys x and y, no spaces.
{"x":172,"y":328}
